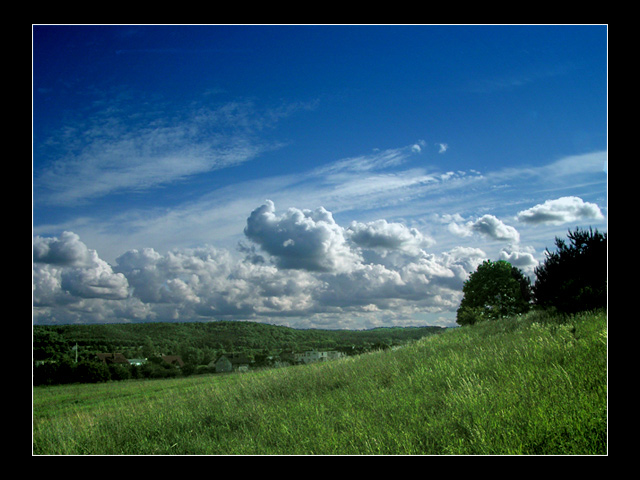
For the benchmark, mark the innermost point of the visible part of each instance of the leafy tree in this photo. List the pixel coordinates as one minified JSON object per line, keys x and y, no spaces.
{"x":148,"y":348}
{"x":494,"y":290}
{"x":574,"y":277}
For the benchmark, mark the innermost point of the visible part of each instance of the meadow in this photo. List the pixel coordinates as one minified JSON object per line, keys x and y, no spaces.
{"x":534,"y":384}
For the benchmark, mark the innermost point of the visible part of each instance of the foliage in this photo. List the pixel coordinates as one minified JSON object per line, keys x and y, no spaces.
{"x":574,"y":277}
{"x":533,"y":384}
{"x":197,"y":343}
{"x":494,"y":290}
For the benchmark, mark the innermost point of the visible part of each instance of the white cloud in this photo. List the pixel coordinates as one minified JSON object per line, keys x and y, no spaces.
{"x":207,"y":282}
{"x":561,"y":210}
{"x":301,"y":239}
{"x":520,"y":257}
{"x":378,"y":160}
{"x":301,"y":262}
{"x":385,"y":236}
{"x":115,"y":149}
{"x":67,"y":250}
{"x":487,"y":225}
{"x":318,"y":270}
{"x":494,"y":228}
{"x":66,"y":273}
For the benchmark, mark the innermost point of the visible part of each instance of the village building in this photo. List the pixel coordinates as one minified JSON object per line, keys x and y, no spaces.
{"x":137,"y":361}
{"x":174,"y":360}
{"x":312,"y":356}
{"x":231,"y":362}
{"x":112,"y":358}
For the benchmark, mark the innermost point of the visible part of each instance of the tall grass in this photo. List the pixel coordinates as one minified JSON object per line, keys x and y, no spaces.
{"x":531,"y":385}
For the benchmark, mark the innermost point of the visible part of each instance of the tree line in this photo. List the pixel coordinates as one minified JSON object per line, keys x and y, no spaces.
{"x":571,"y":279}
{"x":58,"y":360}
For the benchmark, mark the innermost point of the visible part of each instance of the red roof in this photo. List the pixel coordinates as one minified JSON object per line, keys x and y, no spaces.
{"x":112,"y":358}
{"x":173,"y":360}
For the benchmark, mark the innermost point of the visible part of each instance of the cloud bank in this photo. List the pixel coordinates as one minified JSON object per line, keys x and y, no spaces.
{"x":296,"y":266}
{"x":300,"y":263}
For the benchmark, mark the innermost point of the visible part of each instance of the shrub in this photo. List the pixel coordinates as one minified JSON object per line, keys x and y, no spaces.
{"x":91,"y":372}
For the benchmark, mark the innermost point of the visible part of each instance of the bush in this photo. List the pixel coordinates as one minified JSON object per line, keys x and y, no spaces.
{"x":120,"y":372}
{"x":91,"y":372}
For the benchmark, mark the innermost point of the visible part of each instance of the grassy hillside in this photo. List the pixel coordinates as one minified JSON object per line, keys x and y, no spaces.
{"x":533,"y":385}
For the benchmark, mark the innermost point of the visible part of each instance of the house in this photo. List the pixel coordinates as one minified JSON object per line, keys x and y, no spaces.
{"x":335,"y":354}
{"x":312,"y":356}
{"x":112,"y":358}
{"x":137,"y":361}
{"x":231,"y":362}
{"x":174,"y":360}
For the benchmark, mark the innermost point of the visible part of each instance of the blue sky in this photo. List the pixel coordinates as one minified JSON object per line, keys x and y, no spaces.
{"x":312,"y":176}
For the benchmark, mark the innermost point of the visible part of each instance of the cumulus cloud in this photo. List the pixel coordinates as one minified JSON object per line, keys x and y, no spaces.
{"x":64,"y":268}
{"x":427,"y":283}
{"x":301,"y":264}
{"x":67,"y":250}
{"x":301,"y":239}
{"x":561,"y":210}
{"x":494,"y":228}
{"x":384,"y":236}
{"x":487,"y":225}
{"x":95,"y":281}
{"x":520,"y":257}
{"x":209,"y":283}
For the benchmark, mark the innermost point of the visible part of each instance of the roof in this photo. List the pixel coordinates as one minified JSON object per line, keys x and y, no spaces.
{"x":112,"y":358}
{"x":173,"y":360}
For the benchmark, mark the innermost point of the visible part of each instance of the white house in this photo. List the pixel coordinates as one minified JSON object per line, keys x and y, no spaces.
{"x":318,"y":356}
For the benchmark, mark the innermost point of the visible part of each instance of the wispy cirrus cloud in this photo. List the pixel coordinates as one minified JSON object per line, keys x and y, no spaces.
{"x":388,"y":185}
{"x":115,"y":149}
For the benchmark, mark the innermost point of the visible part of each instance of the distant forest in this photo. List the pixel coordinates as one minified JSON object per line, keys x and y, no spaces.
{"x":198,"y":344}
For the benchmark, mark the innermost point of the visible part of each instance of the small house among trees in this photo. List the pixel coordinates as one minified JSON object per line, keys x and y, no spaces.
{"x":174,"y":360}
{"x":138,"y":362}
{"x":112,"y":358}
{"x":312,"y":356}
{"x":230,"y":362}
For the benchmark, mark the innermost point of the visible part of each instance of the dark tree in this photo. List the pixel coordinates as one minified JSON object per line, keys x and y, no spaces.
{"x":574,"y":277}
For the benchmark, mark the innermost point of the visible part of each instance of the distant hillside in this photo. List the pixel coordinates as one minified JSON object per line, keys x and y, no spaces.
{"x":213,"y":337}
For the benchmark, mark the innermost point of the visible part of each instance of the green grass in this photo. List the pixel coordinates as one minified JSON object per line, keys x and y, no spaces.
{"x":532,"y":385}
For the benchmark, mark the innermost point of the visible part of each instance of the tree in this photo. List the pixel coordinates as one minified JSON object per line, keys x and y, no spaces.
{"x":148,"y":348}
{"x":574,"y":277}
{"x":494,"y":290}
